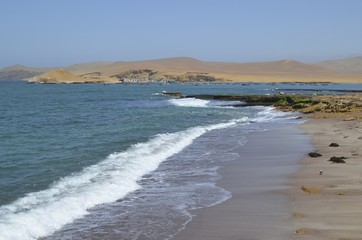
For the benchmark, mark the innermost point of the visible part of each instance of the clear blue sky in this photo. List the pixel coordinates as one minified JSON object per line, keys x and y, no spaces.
{"x":47,"y":33}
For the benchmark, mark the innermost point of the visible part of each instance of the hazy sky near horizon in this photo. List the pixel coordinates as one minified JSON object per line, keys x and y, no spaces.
{"x":43,"y":33}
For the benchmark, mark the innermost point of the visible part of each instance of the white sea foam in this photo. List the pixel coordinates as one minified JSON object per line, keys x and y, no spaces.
{"x":189,"y":102}
{"x":41,"y":213}
{"x":269,"y":114}
{"x":194,"y":102}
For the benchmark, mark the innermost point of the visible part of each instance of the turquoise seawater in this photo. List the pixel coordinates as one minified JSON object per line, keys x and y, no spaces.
{"x":50,"y":131}
{"x":66,"y":151}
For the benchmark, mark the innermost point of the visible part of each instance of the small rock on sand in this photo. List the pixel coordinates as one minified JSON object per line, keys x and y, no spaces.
{"x":314,"y":154}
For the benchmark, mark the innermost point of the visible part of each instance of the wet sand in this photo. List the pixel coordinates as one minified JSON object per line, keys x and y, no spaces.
{"x":333,"y":210}
{"x":258,"y":209}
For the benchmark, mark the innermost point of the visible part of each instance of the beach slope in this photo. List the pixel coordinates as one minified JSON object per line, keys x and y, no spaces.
{"x":328,"y":204}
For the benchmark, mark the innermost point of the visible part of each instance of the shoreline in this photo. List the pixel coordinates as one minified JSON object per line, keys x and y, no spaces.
{"x":332,"y":209}
{"x":258,"y":208}
{"x":313,"y":206}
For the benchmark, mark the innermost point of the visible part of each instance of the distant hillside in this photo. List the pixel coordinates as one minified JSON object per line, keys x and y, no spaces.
{"x":56,"y":76}
{"x":84,"y":68}
{"x":189,"y":69}
{"x":289,"y":67}
{"x":19,"y":72}
{"x":351,"y":65}
{"x":63,"y":76}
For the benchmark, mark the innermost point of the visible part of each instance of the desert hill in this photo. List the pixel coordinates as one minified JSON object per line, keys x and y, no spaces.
{"x":351,"y":65}
{"x":55,"y":76}
{"x":63,"y":76}
{"x":190,"y":69}
{"x":19,"y":72}
{"x":184,"y":64}
{"x":84,"y":68}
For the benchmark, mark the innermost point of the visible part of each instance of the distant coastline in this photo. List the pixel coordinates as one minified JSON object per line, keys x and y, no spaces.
{"x":191,"y":70}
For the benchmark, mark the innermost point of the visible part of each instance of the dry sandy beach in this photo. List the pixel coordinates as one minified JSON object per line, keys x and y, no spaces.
{"x":331,"y":205}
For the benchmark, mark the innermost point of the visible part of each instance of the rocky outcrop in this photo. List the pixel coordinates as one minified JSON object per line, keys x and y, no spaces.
{"x":281,"y":101}
{"x":173,"y":94}
{"x":144,"y":75}
{"x":137,"y":74}
{"x":333,"y":105}
{"x":197,"y":77}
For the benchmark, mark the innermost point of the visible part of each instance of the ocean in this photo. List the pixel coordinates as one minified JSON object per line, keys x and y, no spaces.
{"x":94,"y":161}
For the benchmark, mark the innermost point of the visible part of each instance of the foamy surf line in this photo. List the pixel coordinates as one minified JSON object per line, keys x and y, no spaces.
{"x":189,"y":102}
{"x":194,"y":102}
{"x":39,"y":214}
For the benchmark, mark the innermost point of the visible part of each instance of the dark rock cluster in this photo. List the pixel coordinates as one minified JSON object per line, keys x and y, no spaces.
{"x":337,"y":159}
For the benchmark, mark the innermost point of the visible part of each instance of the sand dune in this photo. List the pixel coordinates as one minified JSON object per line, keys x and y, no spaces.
{"x":193,"y":65}
{"x":55,"y":76}
{"x":274,"y":71}
{"x":63,"y":76}
{"x":345,"y":65}
{"x":84,"y":68}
